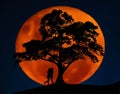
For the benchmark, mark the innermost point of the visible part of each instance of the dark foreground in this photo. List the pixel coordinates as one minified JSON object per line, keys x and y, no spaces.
{"x":74,"y":89}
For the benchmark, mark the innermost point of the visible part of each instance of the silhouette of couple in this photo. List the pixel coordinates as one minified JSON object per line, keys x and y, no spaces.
{"x":49,"y":76}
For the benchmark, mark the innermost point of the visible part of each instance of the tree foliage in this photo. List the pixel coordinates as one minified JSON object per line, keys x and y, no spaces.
{"x":63,"y":41}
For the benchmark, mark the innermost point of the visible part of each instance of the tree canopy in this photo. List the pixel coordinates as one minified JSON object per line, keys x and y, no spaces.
{"x":60,"y":34}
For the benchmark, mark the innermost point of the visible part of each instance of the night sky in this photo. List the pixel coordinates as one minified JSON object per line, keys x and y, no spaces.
{"x":13,"y":13}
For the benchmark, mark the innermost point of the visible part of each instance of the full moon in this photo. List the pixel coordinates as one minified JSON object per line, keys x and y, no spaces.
{"x":79,"y":71}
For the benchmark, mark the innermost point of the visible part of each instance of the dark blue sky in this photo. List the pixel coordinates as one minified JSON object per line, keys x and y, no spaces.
{"x":13,"y":13}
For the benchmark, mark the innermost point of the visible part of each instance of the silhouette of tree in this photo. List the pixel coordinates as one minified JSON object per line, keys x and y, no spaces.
{"x":63,"y":41}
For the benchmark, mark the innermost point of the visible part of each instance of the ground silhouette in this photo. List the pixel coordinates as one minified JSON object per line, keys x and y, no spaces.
{"x":63,"y":41}
{"x":74,"y":89}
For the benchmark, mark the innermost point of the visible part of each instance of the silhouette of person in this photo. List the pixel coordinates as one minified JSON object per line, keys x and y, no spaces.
{"x":49,"y":76}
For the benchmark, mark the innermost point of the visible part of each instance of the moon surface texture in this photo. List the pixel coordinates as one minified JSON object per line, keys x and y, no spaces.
{"x":79,"y":71}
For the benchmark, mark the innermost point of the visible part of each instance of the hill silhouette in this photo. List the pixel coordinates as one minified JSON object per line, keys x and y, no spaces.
{"x":74,"y":89}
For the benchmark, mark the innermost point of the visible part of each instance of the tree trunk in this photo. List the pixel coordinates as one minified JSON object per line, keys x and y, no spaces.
{"x":60,"y":80}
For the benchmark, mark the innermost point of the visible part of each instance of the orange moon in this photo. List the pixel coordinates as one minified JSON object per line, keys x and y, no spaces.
{"x":78,"y":71}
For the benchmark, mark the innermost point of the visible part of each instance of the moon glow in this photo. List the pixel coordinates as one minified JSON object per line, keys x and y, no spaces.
{"x":78,"y":71}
